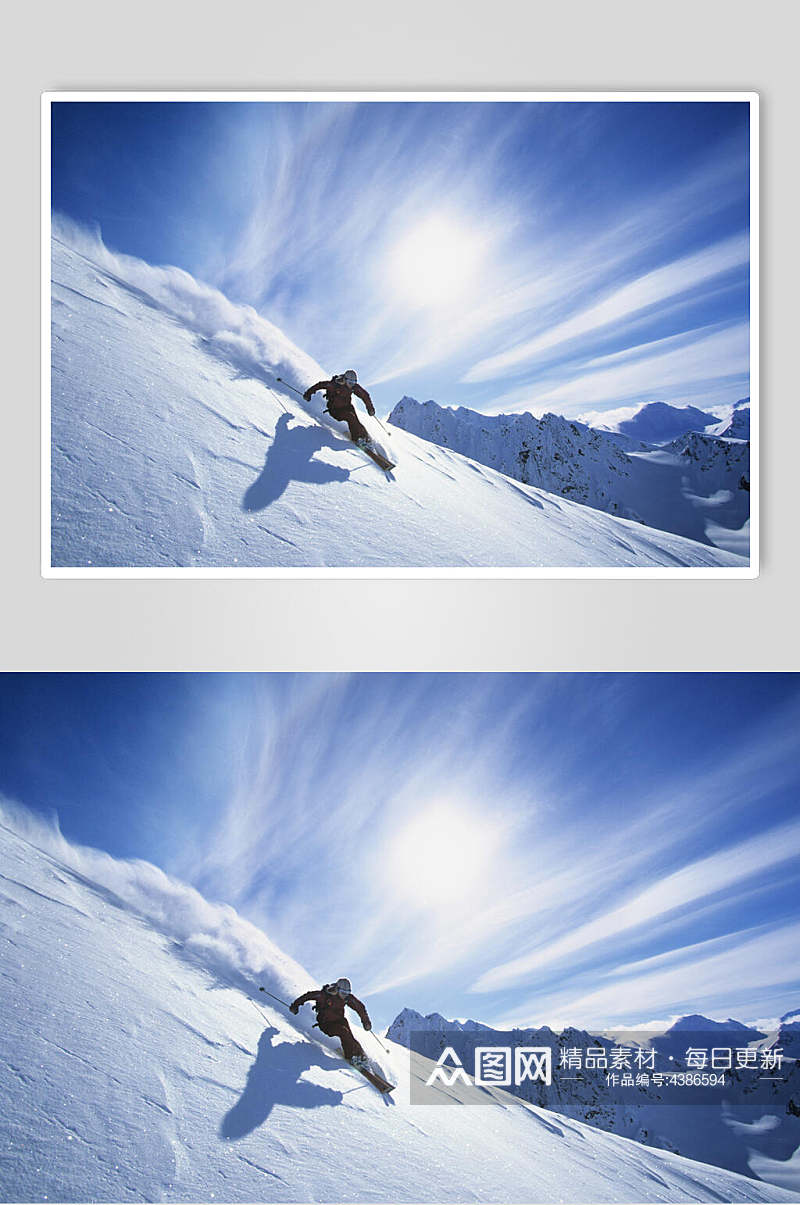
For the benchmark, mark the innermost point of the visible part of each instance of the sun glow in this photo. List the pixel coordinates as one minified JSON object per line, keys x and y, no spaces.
{"x":435,"y":262}
{"x":441,"y":856}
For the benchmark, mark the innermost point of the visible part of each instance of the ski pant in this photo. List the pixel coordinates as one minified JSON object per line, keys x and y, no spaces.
{"x":348,"y":415}
{"x":342,"y":1031}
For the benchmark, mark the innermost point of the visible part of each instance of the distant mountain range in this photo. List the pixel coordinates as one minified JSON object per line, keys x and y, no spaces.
{"x":673,"y":468}
{"x":756,"y":1139}
{"x":661,"y":422}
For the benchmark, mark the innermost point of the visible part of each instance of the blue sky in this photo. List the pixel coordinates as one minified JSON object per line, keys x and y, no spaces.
{"x":523,"y":848}
{"x":571,"y":257}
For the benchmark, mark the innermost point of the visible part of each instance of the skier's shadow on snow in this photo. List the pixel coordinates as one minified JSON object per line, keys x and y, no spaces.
{"x":274,"y":1079}
{"x":291,"y":458}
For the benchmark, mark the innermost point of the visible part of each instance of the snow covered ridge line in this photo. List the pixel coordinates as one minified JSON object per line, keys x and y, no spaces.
{"x":212,"y":933}
{"x":696,"y":484}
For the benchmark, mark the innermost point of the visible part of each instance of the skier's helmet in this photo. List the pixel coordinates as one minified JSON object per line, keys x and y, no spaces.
{"x":343,"y":987}
{"x":350,"y":378}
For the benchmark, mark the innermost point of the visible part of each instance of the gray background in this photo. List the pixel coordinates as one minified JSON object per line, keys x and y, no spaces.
{"x":400,"y":624}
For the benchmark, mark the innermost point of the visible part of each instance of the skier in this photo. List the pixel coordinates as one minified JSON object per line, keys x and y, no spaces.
{"x":339,"y":395}
{"x":329,"y":1003}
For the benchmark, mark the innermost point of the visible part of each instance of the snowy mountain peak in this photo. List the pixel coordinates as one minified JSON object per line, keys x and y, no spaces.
{"x":408,"y":1015}
{"x":409,"y":1021}
{"x":653,"y":422}
{"x":695,"y":1023}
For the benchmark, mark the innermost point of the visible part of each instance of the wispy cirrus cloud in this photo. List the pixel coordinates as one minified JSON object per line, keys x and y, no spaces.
{"x":719,"y":972}
{"x":692,"y":366}
{"x":667,"y":282}
{"x":698,"y":880}
{"x":546,"y":285}
{"x":706,"y":367}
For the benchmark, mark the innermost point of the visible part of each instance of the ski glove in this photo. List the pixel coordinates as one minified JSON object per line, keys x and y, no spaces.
{"x":307,"y":395}
{"x":368,"y":1026}
{"x":370,"y":410}
{"x":294,"y":1008}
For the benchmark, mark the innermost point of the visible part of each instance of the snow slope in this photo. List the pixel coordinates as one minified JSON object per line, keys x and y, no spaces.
{"x":699,"y":484}
{"x":696,"y":486}
{"x":174,"y":444}
{"x":135,"y":1066}
{"x":761,"y":1140}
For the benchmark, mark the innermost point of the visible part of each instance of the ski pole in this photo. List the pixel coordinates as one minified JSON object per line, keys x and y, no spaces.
{"x":301,"y":395}
{"x":260,"y":1011}
{"x":297,"y":391}
{"x":377,"y":1039}
{"x":277,"y":397}
{"x":283,"y":1002}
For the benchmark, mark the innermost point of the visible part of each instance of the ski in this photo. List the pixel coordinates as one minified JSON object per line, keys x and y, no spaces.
{"x":376,"y":1080}
{"x":375,"y":455}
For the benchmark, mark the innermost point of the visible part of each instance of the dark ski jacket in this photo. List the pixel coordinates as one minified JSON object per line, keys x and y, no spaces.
{"x":339,"y":396}
{"x":330,"y":1007}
